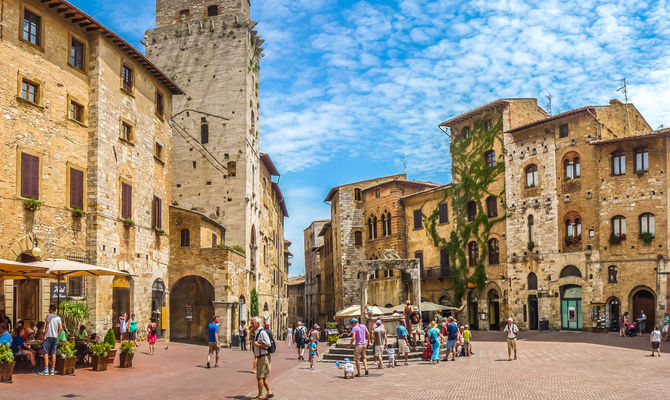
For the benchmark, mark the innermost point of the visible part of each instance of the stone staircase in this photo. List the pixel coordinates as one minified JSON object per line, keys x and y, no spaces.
{"x":340,"y":350}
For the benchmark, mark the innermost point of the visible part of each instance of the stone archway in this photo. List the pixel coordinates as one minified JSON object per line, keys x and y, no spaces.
{"x":191,"y":309}
{"x":643,"y":298}
{"x":121,"y":300}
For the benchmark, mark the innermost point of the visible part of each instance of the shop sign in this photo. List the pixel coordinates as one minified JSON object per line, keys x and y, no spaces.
{"x":58,"y":291}
{"x":471,"y":285}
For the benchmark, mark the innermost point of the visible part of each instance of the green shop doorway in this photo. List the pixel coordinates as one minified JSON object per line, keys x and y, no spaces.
{"x":571,"y":307}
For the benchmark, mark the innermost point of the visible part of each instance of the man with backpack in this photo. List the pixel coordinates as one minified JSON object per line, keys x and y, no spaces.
{"x":452,"y":335}
{"x":264,"y":346}
{"x":300,"y":339}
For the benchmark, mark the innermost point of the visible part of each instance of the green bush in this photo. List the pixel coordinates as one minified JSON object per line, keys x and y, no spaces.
{"x":67,"y":350}
{"x":73,"y":314}
{"x":6,"y":354}
{"x":254,"y":303}
{"x":101,"y":349}
{"x":110,"y":339}
{"x":128,"y":348}
{"x":333,"y":338}
{"x":647,"y":237}
{"x":331,"y":325}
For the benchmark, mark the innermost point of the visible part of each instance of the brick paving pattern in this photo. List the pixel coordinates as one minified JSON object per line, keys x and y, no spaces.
{"x":557,"y":365}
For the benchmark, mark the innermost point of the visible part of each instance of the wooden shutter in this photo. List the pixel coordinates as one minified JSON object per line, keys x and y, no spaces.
{"x":76,"y":189}
{"x":156,"y":211}
{"x":126,"y":200}
{"x":30,"y":181}
{"x":213,"y":240}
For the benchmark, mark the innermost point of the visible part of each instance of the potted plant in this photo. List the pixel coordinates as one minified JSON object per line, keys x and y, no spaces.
{"x":6,"y":363}
{"x":615,"y":239}
{"x":99,"y":355}
{"x":127,"y":353}
{"x":66,"y":360}
{"x":77,"y":213}
{"x":31,"y":204}
{"x":647,"y":237}
{"x":128,"y":222}
{"x":73,"y":313}
{"x":110,"y":339}
{"x":160,"y":232}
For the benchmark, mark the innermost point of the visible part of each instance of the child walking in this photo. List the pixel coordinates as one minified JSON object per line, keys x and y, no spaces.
{"x":467,"y":336}
{"x":391,"y":354}
{"x":655,"y":339}
{"x":313,"y":351}
{"x":348,"y":369}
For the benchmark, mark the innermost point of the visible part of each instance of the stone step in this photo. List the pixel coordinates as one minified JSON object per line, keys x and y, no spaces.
{"x":328,"y":357}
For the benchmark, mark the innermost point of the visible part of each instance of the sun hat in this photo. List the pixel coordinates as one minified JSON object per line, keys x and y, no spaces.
{"x":433,"y":324}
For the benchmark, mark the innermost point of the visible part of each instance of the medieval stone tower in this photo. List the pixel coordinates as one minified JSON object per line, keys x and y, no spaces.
{"x":210,"y":49}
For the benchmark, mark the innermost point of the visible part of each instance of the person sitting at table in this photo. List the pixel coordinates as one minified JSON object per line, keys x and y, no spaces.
{"x":39,"y":333}
{"x":95,"y":338}
{"x":21,"y":349}
{"x":5,"y":336}
{"x":81,"y":334}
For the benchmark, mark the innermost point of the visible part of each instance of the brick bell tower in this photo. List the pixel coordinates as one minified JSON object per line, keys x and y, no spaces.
{"x":211,"y":50}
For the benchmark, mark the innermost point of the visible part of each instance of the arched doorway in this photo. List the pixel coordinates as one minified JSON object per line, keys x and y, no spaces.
{"x":191,"y":309}
{"x":121,"y":289}
{"x":533,"y":311}
{"x":473,"y":309}
{"x":494,"y":310}
{"x":644,"y":299}
{"x":612,"y":313}
{"x":157,"y":304}
{"x":571,"y":307}
{"x":25,"y":295}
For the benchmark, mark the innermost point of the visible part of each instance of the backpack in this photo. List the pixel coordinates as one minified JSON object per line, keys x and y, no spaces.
{"x":273,"y":345}
{"x":300,"y":335}
{"x":415,"y":317}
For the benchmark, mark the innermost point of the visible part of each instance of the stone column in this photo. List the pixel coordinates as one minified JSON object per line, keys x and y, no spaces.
{"x":415,"y":275}
{"x":223,"y":309}
{"x":363,"y":288}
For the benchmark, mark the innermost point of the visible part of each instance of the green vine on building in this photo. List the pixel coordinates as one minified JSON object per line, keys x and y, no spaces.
{"x":472,"y":179}
{"x":254,"y":303}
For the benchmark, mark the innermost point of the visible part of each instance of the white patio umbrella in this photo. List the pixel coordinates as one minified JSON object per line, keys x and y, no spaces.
{"x":355,"y":312}
{"x":59,"y":268}
{"x":18,"y":270}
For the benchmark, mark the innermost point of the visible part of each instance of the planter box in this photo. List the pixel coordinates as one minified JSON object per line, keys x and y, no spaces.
{"x":111,"y":356}
{"x":65,"y":366}
{"x":99,"y":363}
{"x":6,"y":371}
{"x":126,"y":360}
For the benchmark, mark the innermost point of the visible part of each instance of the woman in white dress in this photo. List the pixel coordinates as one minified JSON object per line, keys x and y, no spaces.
{"x":289,"y":336}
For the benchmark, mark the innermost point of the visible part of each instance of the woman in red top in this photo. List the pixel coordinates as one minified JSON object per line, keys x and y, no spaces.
{"x":151,"y":337}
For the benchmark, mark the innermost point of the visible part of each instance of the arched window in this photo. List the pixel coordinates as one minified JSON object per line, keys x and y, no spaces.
{"x":573,"y":228}
{"x":531,"y":229}
{"x":491,"y":206}
{"x":374,"y":226}
{"x":531,"y":176}
{"x":490,"y":158}
{"x":384,"y":225}
{"x":612,"y":274}
{"x":388,"y":223}
{"x":212,"y":11}
{"x":619,"y":227}
{"x":532,"y":281}
{"x":571,"y":166}
{"x":472,"y":210}
{"x":647,"y":223}
{"x":494,"y":252}
{"x":473,"y":253}
{"x":618,"y":163}
{"x":570,"y":270}
{"x":185,"y":237}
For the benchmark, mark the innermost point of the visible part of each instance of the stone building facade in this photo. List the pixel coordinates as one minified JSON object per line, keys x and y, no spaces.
{"x":296,"y":300}
{"x":598,"y":214}
{"x":86,"y":136}
{"x":206,"y":278}
{"x":312,"y":242}
{"x":325,"y":278}
{"x":212,"y":51}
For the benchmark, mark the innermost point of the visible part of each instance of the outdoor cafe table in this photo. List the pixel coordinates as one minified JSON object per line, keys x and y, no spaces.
{"x":35,"y":344}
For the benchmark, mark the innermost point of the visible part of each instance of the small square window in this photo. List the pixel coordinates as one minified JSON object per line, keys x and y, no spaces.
{"x":563,"y":131}
{"x":76,"y":111}
{"x":127,"y":132}
{"x":30,"y":91}
{"x":158,"y":151}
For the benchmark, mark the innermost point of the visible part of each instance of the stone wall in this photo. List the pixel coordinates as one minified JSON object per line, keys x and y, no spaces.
{"x":311,"y":241}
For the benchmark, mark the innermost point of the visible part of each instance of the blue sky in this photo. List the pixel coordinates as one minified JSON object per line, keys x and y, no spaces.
{"x":351,"y":90}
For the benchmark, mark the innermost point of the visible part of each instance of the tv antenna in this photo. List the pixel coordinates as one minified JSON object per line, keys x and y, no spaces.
{"x":548,"y":97}
{"x":404,"y":163}
{"x":624,"y":90}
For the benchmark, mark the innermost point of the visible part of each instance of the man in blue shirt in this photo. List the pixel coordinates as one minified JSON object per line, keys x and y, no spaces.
{"x":403,"y":341}
{"x":213,"y":341}
{"x":452,"y":335}
{"x":5,"y":337}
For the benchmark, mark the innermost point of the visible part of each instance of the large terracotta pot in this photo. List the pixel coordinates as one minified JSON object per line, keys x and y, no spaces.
{"x":65,"y":366}
{"x":111,"y":356}
{"x":6,"y":370}
{"x":99,"y":363}
{"x":126,"y":360}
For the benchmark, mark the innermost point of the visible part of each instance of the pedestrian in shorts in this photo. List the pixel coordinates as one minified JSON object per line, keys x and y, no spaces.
{"x":313,"y":351}
{"x":655,"y":339}
{"x":403,"y":340}
{"x":54,"y":326}
{"x":380,"y":342}
{"x":467,"y":337}
{"x":511,"y":330}
{"x":360,"y":337}
{"x":261,"y":343}
{"x":213,"y":341}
